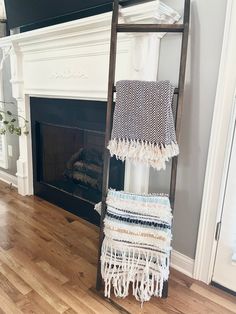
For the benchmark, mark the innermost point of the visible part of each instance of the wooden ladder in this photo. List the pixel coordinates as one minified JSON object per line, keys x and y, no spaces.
{"x":179,"y":91}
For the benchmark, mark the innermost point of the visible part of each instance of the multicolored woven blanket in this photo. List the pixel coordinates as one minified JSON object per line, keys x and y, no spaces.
{"x":136,"y":247}
{"x":143,"y":126}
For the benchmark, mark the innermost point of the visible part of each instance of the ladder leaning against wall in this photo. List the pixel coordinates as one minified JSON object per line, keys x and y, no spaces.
{"x":116,"y":28}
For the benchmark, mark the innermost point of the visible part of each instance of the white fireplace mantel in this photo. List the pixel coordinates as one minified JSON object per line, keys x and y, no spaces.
{"x":70,"y":60}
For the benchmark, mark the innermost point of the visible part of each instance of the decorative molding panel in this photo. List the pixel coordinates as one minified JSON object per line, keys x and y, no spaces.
{"x":68,"y":74}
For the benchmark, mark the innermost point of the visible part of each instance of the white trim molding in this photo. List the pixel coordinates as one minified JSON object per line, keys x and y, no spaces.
{"x":3,"y":152}
{"x":3,"y":141}
{"x":218,"y":151}
{"x":8,"y":178}
{"x":182,"y":263}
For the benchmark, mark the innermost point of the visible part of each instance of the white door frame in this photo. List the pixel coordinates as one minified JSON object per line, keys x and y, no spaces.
{"x":219,"y":148}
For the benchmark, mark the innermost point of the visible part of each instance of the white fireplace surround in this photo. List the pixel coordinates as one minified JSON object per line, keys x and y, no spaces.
{"x":70,"y":60}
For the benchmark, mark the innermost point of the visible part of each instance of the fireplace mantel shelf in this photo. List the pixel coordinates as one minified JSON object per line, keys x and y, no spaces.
{"x":70,"y":60}
{"x":151,"y":12}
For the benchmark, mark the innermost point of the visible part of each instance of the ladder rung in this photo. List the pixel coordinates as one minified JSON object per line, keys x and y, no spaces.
{"x":176,"y":91}
{"x":165,"y":28}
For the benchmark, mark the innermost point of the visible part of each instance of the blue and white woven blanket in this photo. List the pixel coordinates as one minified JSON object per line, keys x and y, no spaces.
{"x":136,"y":247}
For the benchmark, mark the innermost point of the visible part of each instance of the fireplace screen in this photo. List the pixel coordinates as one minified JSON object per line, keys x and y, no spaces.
{"x":72,"y":161}
{"x":68,"y":139}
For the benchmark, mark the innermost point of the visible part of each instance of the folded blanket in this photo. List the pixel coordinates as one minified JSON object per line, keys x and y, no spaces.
{"x":143,"y":125}
{"x":136,"y":246}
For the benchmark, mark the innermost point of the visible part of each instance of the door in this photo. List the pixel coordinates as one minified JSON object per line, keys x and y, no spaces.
{"x":225,"y":263}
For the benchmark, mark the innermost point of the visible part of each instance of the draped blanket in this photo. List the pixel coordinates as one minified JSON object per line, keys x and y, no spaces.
{"x":143,"y":125}
{"x":136,"y":247}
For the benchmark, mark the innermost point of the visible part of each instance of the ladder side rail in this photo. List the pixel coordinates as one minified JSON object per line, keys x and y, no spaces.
{"x":178,"y":117}
{"x":106,"y":165}
{"x":180,"y":99}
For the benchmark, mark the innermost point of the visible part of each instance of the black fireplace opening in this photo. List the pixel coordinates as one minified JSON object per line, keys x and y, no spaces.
{"x":68,"y":138}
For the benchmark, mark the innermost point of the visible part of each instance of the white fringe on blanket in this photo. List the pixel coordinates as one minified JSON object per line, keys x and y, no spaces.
{"x":136,"y":247}
{"x":147,"y":272}
{"x":98,"y":208}
{"x":153,"y":155}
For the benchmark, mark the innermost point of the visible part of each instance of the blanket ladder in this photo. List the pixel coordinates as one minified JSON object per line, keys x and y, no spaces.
{"x":128,"y":28}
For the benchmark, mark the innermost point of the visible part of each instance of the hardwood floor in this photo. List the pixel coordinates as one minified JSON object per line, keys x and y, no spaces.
{"x":48,"y":265}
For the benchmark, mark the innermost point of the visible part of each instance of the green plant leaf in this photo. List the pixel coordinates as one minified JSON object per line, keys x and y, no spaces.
{"x":18,"y":131}
{"x":11,"y":128}
{"x":11,"y":125}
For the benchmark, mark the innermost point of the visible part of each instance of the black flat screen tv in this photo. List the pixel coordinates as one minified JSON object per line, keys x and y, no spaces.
{"x":30,"y":14}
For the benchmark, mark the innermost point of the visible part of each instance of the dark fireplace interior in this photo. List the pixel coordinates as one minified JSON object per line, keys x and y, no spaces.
{"x":68,"y":142}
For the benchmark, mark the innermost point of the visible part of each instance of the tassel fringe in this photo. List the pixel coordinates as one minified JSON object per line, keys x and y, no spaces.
{"x":98,"y":208}
{"x":148,"y":153}
{"x":144,"y":271}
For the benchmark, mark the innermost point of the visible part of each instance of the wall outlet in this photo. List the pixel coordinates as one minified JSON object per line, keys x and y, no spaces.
{"x":10,"y":150}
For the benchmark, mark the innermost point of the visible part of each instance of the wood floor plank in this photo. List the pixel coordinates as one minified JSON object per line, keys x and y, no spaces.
{"x":9,"y":289}
{"x":34,"y":303}
{"x":7,"y":237}
{"x":88,"y":299}
{"x":27,"y":306}
{"x":59,"y":231}
{"x":132,"y":306}
{"x":51,"y":271}
{"x":7,"y":305}
{"x":48,"y":265}
{"x":186,"y":301}
{"x":72,"y":266}
{"x":50,"y":283}
{"x":60,"y":257}
{"x":70,"y":311}
{"x":26,"y":274}
{"x":15,"y":280}
{"x":213,"y":296}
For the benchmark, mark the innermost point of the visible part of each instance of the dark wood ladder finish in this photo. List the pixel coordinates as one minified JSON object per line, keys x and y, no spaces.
{"x":165,"y":28}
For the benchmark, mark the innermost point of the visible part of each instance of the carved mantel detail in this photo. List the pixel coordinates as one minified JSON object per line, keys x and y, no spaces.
{"x":68,"y":74}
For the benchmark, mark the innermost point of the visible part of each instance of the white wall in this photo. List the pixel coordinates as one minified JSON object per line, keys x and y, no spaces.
{"x":12,"y":140}
{"x":206,"y":34}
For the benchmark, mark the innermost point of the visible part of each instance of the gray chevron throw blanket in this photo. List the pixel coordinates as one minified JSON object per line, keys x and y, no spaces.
{"x":136,"y":247}
{"x":143,"y":125}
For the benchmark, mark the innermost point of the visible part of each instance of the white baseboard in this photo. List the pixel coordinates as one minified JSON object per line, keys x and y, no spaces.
{"x":182,"y":263}
{"x":8,"y":178}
